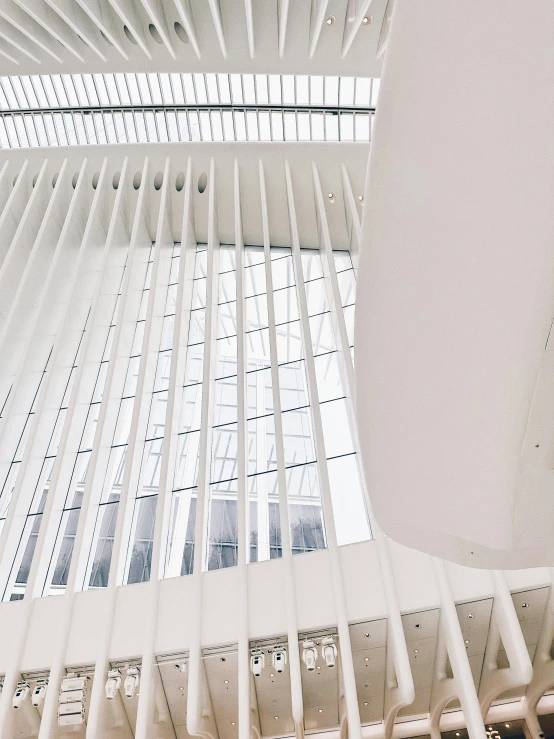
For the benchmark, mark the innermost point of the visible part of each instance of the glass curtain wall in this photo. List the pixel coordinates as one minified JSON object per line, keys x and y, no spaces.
{"x":303,"y":494}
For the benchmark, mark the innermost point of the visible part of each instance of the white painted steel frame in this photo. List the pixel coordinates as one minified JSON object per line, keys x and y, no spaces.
{"x":332,"y":36}
{"x":109,"y":235}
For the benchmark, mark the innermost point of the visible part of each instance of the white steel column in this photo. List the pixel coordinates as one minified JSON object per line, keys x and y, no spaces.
{"x":347,"y":662}
{"x":145,"y":715}
{"x":286,"y":550}
{"x":243,"y":503}
{"x":91,"y":355}
{"x":119,"y":359}
{"x":196,"y":668}
{"x":458,"y":655}
{"x":400,"y":690}
{"x":504,"y":629}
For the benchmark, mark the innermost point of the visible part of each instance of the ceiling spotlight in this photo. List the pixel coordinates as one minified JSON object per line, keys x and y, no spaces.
{"x":113,"y":684}
{"x":309,"y":654}
{"x":226,"y":682}
{"x":131,"y":681}
{"x":330,"y":20}
{"x":361,"y":198}
{"x":233,"y":723}
{"x":331,"y":196}
{"x":367,"y":635}
{"x":525,"y":605}
{"x":366,"y":703}
{"x":366,"y":659}
{"x":470,"y":615}
{"x":418,"y":626}
{"x":279,"y":657}
{"x":257,"y":662}
{"x":329,"y":651}
{"x":272,"y":674}
{"x":416,"y":651}
{"x":366,"y":20}
{"x":320,"y":710}
{"x":507,"y":726}
{"x":466,"y":641}
{"x":276,"y":717}
{"x":457,"y":733}
{"x":39,"y":692}
{"x":22,"y":690}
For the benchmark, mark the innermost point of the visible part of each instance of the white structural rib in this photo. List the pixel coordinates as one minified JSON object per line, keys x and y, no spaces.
{"x":289,"y":594}
{"x":78,"y":237}
{"x":196,"y":683}
{"x":172,"y":35}
{"x":347,"y":664}
{"x":243,"y":529}
{"x":399,"y":688}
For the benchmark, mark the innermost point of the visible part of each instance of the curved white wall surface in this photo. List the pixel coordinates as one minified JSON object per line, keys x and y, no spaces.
{"x":455,"y":379}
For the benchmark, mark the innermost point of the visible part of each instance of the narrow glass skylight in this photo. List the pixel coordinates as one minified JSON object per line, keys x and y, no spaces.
{"x":76,"y":109}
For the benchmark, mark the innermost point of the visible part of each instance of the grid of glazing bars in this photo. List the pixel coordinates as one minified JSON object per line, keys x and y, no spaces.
{"x":155,"y":274}
{"x":57,"y":110}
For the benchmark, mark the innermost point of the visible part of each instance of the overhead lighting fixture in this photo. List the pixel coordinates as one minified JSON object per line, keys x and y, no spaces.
{"x":131,"y":681}
{"x":507,"y":726}
{"x":320,"y":710}
{"x":329,"y":651}
{"x":22,"y":690}
{"x":113,"y":683}
{"x":39,"y":693}
{"x":226,"y":682}
{"x":309,"y":654}
{"x":470,"y":615}
{"x":525,"y":605}
{"x":257,"y":662}
{"x":279,"y":657}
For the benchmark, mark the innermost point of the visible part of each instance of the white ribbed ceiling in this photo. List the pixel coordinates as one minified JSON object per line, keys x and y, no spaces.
{"x":340,"y":37}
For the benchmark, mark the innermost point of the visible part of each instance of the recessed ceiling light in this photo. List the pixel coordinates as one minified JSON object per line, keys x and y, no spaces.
{"x":457,"y":733}
{"x":361,"y":198}
{"x":525,"y":605}
{"x":320,"y":710}
{"x":367,"y":659}
{"x":330,"y":20}
{"x":466,"y":641}
{"x":367,"y":636}
{"x":507,"y":726}
{"x":366,"y":20}
{"x":470,"y":615}
{"x":366,"y":703}
{"x":226,"y":682}
{"x":416,"y":651}
{"x":272,"y":674}
{"x":276,"y":717}
{"x":233,"y":723}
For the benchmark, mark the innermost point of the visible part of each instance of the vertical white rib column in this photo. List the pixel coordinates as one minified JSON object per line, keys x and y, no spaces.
{"x":91,"y":355}
{"x":504,"y":626}
{"x":288,"y":569}
{"x":196,"y":672}
{"x":95,"y":233}
{"x":347,"y":662}
{"x":353,"y":218}
{"x":242,"y":486}
{"x":157,"y":298}
{"x":147,"y":695}
{"x":458,"y":655}
{"x":38,"y":444}
{"x":119,"y":357}
{"x":400,"y":689}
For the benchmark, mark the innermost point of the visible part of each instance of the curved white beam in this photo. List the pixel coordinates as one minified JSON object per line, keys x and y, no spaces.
{"x":456,"y":290}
